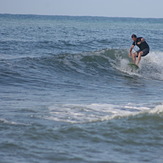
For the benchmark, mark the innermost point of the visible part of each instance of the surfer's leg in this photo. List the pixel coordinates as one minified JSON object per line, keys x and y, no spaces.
{"x":134,"y":55}
{"x":139,"y":57}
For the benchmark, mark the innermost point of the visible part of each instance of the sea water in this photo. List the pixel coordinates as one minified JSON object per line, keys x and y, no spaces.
{"x":68,"y":95}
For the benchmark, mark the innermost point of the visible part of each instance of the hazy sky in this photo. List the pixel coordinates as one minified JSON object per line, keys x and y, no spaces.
{"x":109,"y":8}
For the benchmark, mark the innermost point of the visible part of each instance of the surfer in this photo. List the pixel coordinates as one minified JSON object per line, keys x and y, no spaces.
{"x":143,"y":49}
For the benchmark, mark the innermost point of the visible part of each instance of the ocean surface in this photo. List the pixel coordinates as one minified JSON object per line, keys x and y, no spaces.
{"x":68,"y":95}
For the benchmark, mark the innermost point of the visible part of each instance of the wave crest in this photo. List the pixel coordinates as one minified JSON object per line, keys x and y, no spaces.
{"x":104,"y":63}
{"x":87,"y":113}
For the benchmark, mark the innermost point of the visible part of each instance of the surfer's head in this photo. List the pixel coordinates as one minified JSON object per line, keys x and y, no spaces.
{"x":134,"y":37}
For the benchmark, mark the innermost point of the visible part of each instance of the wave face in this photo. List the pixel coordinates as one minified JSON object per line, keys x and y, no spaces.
{"x":67,"y":93}
{"x":104,"y":64}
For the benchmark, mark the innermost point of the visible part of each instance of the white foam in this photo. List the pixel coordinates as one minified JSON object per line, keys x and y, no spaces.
{"x":10,"y":122}
{"x":151,"y":66}
{"x":77,"y":113}
{"x":157,"y":110}
{"x":125,"y":68}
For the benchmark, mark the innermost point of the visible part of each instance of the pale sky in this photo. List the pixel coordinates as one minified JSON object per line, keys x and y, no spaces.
{"x":109,"y":8}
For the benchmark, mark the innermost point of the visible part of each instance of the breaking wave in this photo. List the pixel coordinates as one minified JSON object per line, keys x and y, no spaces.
{"x":104,"y":63}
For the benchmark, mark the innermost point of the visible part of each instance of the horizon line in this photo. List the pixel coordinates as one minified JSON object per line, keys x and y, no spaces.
{"x":82,"y":16}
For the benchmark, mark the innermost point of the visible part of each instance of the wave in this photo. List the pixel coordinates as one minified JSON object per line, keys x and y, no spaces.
{"x":89,"y":113}
{"x":5,"y":121}
{"x":104,"y":63}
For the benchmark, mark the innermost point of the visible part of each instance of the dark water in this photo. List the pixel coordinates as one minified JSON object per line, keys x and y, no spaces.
{"x":67,"y":93}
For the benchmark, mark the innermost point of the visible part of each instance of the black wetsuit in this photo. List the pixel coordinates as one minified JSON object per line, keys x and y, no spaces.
{"x":144,"y":47}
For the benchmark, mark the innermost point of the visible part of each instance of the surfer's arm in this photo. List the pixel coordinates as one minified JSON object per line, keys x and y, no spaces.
{"x":142,"y":40}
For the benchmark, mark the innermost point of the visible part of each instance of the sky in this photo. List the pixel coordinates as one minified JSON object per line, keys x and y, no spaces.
{"x":108,"y":8}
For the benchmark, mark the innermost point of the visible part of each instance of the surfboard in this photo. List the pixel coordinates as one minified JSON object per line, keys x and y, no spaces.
{"x":133,"y":66}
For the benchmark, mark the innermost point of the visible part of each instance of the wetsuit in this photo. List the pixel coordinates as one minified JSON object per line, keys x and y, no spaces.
{"x":144,"y":47}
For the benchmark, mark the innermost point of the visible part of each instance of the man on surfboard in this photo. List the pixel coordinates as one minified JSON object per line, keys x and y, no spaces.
{"x":143,"y":48}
